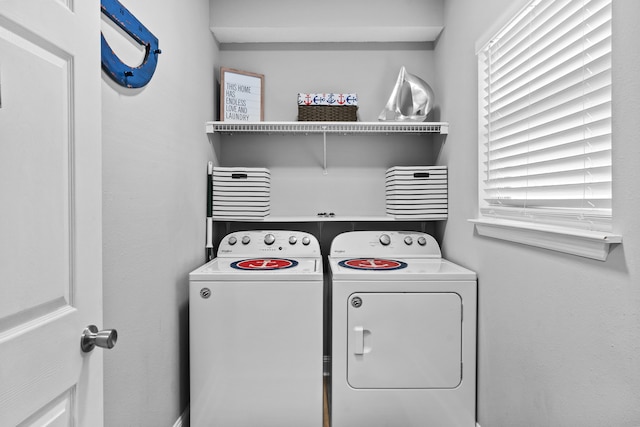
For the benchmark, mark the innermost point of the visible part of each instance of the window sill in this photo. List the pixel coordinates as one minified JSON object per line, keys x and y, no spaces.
{"x":584,"y":243}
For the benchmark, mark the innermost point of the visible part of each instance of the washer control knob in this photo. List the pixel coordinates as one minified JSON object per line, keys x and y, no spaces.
{"x":232,"y":240}
{"x":422,"y":241}
{"x":385,"y":240}
{"x":306,"y":240}
{"x":408,"y":240}
{"x":293,"y":240}
{"x":269,"y":239}
{"x":246,"y":240}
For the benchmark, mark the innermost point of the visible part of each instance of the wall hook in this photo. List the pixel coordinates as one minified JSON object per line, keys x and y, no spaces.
{"x":120,"y":72}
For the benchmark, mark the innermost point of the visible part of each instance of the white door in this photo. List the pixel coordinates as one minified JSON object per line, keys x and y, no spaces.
{"x":50,"y":212}
{"x":404,"y":340}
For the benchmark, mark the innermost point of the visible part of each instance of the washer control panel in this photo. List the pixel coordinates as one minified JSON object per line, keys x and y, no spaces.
{"x":409,"y":244}
{"x":269,"y":243}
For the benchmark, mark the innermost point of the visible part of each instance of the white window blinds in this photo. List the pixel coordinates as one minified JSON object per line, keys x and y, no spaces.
{"x":545,"y":116}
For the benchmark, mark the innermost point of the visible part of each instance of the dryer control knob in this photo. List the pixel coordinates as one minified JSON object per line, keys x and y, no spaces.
{"x":269,"y":239}
{"x":408,"y":240}
{"x":385,"y":239}
{"x":293,"y":240}
{"x":246,"y":240}
{"x":232,"y":240}
{"x":422,"y":241}
{"x":306,"y":240}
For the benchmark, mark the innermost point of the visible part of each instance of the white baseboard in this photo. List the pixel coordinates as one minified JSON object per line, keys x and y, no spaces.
{"x":183,"y":419}
{"x":478,"y":425}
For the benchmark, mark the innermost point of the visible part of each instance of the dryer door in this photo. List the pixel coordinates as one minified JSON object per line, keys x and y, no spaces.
{"x":404,"y":340}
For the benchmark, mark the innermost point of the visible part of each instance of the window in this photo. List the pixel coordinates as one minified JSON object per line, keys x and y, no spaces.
{"x":545,"y":116}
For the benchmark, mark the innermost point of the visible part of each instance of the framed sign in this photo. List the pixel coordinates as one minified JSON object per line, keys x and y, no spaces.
{"x":241,"y":96}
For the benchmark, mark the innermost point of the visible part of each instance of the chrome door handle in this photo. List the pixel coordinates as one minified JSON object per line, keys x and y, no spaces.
{"x":91,"y":337}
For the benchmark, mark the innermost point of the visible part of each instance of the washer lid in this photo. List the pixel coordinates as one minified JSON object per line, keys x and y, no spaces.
{"x":259,"y":269}
{"x":416,"y":269}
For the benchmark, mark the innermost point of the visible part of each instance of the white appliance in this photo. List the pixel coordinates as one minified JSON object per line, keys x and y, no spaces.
{"x":255,"y":322}
{"x":403,"y":333}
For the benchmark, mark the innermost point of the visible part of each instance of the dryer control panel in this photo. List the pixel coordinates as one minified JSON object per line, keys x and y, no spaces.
{"x":399,"y":244}
{"x":280,"y":243}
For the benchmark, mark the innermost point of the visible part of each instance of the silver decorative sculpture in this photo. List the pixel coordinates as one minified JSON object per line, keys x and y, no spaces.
{"x":411,"y":99}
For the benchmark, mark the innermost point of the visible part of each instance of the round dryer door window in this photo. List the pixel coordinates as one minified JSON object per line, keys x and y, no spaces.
{"x":264,"y":264}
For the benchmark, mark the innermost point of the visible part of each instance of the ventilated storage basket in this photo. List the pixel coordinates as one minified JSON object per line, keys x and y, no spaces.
{"x":417,"y":192}
{"x":327,"y":113}
{"x":327,"y":107}
{"x":241,"y":193}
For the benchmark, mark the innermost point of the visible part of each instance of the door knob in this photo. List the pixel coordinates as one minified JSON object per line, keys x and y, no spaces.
{"x":91,"y":337}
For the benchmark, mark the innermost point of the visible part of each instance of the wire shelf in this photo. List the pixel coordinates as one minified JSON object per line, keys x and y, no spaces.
{"x":342,"y":128}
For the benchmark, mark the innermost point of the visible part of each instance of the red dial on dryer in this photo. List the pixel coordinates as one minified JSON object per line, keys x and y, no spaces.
{"x":264,"y":264}
{"x":373,"y":264}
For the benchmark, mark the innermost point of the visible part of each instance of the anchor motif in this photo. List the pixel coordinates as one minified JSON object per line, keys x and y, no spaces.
{"x":264,"y":264}
{"x":373,"y":264}
{"x":121,"y":73}
{"x":327,"y":99}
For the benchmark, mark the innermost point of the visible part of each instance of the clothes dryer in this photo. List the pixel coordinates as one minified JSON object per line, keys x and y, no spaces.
{"x":403,"y":333}
{"x":256,"y":325}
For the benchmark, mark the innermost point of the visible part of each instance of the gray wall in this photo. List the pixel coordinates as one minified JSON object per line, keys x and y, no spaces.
{"x":559,"y":335}
{"x":355,"y":165}
{"x":369,"y":69}
{"x":155,"y":153}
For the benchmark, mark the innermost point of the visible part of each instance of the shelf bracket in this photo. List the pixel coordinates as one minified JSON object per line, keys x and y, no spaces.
{"x":324,"y":149}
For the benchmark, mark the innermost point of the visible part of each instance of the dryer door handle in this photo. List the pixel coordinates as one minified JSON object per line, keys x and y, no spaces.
{"x":358,"y":340}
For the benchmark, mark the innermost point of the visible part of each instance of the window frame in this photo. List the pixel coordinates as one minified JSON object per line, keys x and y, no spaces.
{"x":572,"y":238}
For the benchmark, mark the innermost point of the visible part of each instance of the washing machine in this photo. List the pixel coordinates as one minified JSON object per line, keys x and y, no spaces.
{"x":403,"y":333}
{"x":255,"y":332}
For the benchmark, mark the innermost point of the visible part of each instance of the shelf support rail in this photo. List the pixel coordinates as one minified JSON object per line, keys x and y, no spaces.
{"x":324,"y":149}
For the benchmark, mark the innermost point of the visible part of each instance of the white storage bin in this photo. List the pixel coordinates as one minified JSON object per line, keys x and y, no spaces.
{"x":241,"y":193}
{"x":417,"y":192}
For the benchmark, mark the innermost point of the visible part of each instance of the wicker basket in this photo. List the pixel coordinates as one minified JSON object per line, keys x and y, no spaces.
{"x":327,"y":113}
